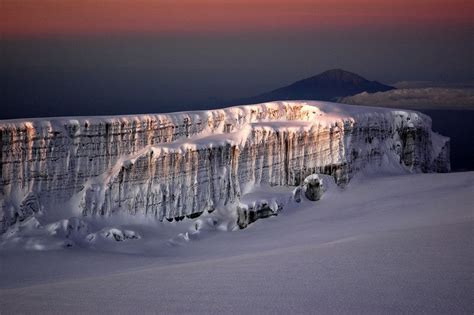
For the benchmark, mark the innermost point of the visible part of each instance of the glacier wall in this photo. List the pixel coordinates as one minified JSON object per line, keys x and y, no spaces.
{"x":179,"y":165}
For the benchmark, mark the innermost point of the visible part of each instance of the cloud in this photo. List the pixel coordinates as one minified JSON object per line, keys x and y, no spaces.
{"x":432,"y":84}
{"x":419,"y":98}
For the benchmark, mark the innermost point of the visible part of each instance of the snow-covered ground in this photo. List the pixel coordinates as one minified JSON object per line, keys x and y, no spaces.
{"x":384,"y":244}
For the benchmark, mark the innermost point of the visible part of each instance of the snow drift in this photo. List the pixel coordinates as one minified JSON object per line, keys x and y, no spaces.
{"x":178,"y":165}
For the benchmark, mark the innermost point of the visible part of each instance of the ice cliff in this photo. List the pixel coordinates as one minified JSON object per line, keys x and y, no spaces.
{"x":179,"y":165}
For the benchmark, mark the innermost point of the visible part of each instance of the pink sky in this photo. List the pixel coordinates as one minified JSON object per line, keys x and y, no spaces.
{"x":71,"y":17}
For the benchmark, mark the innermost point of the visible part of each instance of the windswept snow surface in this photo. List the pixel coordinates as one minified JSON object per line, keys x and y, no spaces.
{"x":384,"y":244}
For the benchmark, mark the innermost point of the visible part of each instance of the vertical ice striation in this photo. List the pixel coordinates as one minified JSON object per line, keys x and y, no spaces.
{"x":179,"y":165}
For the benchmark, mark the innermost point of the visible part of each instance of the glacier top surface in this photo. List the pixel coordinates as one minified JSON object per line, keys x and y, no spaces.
{"x":327,"y":111}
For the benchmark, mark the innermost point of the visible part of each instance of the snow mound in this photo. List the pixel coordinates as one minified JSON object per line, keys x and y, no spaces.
{"x":113,"y":234}
{"x":65,"y":233}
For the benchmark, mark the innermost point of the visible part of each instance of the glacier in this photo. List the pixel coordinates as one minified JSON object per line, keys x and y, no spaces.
{"x":180,"y":165}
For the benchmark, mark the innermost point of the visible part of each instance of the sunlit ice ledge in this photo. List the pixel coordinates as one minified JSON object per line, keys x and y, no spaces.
{"x":181,"y":165}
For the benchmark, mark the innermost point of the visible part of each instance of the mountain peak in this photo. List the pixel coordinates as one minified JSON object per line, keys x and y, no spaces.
{"x":338,"y":74}
{"x":326,"y":86}
{"x":338,"y":71}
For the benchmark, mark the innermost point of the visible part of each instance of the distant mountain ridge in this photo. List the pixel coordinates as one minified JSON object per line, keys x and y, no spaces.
{"x":327,"y":86}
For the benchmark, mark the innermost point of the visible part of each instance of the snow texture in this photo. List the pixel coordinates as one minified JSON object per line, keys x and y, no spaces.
{"x":396,"y":244}
{"x":182,"y":165}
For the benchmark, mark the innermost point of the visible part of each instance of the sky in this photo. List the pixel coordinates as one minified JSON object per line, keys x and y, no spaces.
{"x":84,"y":57}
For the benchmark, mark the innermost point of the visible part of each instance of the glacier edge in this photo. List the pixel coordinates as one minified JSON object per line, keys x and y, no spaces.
{"x":178,"y":165}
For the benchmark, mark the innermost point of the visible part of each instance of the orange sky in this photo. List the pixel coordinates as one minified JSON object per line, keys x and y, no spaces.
{"x":70,"y":17}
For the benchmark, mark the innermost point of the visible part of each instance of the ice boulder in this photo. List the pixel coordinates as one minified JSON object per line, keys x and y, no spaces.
{"x":314,"y":187}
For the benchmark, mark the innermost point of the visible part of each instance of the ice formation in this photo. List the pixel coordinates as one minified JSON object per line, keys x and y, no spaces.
{"x":178,"y":165}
